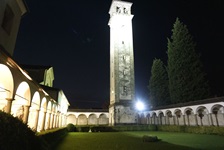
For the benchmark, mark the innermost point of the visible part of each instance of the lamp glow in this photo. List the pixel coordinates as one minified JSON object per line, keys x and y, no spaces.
{"x":140,"y":106}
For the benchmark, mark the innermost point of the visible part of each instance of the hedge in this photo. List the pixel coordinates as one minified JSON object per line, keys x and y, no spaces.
{"x":14,"y":134}
{"x":192,"y":129}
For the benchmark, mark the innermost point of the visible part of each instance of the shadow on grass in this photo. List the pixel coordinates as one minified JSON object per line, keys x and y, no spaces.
{"x":161,"y":145}
{"x":113,"y":141}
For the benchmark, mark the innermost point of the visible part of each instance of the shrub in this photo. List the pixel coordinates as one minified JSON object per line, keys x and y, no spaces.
{"x":148,"y":138}
{"x":71,"y":127}
{"x":14,"y":134}
{"x":50,"y":138}
{"x":192,"y":129}
{"x":83,"y":128}
{"x":102,"y":129}
{"x":135,"y":128}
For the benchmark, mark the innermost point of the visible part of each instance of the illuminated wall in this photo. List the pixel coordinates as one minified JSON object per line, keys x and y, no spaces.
{"x":122,"y":82}
{"x":10,"y":15}
{"x":24,"y":98}
{"x":20,"y":95}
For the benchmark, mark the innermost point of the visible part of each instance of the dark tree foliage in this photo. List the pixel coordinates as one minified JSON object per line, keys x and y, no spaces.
{"x":187,"y":81}
{"x":158,"y":84}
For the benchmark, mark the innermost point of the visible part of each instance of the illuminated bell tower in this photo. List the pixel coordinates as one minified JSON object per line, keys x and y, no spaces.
{"x":122,"y":86}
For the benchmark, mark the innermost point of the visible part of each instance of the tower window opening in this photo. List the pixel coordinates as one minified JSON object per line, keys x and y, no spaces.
{"x":125,"y":10}
{"x":118,"y":9}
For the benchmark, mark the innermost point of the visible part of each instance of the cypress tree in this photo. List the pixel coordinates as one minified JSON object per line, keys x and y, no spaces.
{"x":187,"y":81}
{"x":158,"y":84}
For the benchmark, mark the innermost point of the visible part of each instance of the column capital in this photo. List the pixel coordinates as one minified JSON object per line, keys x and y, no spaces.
{"x":9,"y":99}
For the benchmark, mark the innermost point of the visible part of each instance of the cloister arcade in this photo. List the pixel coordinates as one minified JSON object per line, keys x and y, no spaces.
{"x":206,"y":113}
{"x":86,"y":117}
{"x":22,"y":97}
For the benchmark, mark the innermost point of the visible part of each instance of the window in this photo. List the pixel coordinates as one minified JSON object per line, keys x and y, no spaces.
{"x":118,"y":9}
{"x":7,"y":21}
{"x":125,"y":10}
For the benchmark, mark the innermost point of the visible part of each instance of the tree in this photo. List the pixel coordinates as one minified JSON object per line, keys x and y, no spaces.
{"x":158,"y":84}
{"x":187,"y":81}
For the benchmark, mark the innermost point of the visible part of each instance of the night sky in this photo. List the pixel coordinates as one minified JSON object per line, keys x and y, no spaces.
{"x":73,"y":37}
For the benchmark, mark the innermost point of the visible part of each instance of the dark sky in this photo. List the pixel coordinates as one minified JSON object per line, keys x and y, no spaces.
{"x":73,"y":37}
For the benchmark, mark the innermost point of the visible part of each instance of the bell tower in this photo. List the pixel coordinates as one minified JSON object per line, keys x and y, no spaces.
{"x":122,"y":81}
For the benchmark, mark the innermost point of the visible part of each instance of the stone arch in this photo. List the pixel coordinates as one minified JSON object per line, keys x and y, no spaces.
{"x":103,"y":119}
{"x":22,"y":99}
{"x":177,"y":112}
{"x":217,"y":115}
{"x":202,"y":115}
{"x":53,"y":116}
{"x":6,"y":86}
{"x":169,"y":117}
{"x":57,"y":114}
{"x":217,"y":107}
{"x":190,"y":118}
{"x":82,"y":119}
{"x":148,"y":118}
{"x":42,"y":114}
{"x":92,"y":119}
{"x":161,"y":118}
{"x":34,"y":111}
{"x":71,"y":119}
{"x":54,"y":108}
{"x":154,"y":118}
{"x":138,"y":118}
{"x":179,"y":116}
{"x":48,"y":115}
{"x":141,"y":118}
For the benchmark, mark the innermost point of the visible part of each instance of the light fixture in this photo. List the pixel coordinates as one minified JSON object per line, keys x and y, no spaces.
{"x":139,"y":106}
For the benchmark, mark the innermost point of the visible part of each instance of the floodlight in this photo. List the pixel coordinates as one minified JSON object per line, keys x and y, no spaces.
{"x":140,"y":105}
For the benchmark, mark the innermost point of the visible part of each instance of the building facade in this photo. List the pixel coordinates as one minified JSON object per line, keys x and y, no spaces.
{"x":88,"y":117}
{"x":36,"y":103}
{"x":207,"y":112}
{"x":27,"y":92}
{"x":122,"y":81}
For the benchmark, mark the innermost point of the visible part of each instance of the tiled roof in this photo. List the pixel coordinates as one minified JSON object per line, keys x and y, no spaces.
{"x":53,"y":92}
{"x":36,"y":72}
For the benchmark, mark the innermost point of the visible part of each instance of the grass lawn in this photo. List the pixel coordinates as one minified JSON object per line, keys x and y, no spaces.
{"x":133,"y":141}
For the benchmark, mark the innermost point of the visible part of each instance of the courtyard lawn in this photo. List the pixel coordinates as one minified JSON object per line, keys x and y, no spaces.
{"x":133,"y":141}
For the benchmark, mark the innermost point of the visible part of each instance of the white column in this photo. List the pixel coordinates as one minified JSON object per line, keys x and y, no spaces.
{"x":49,"y":120}
{"x":9,"y":105}
{"x":184,"y":120}
{"x":36,"y":120}
{"x":43,"y":122}
{"x":26,"y":114}
{"x":196,"y":120}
